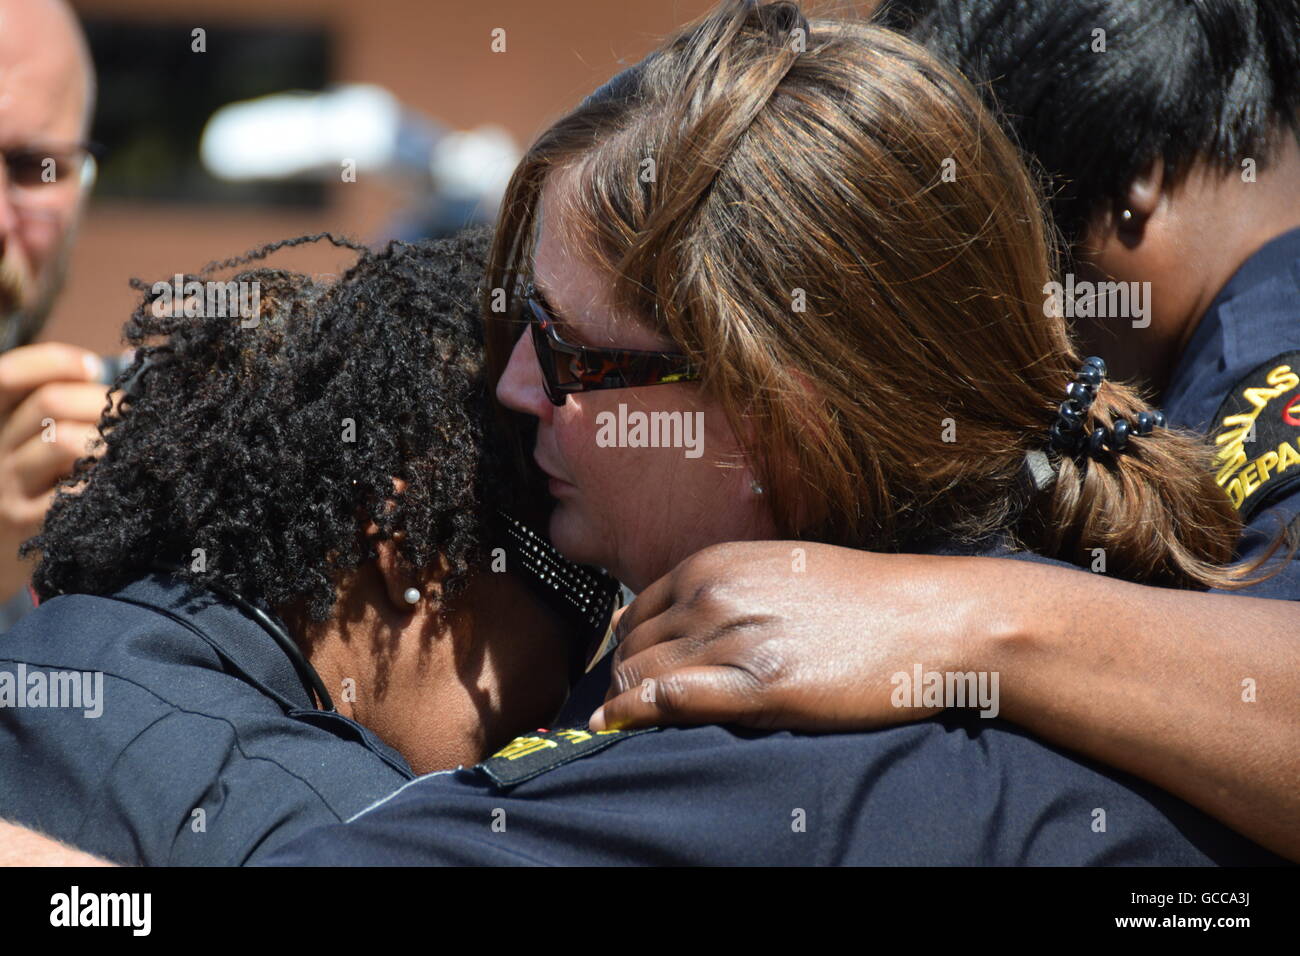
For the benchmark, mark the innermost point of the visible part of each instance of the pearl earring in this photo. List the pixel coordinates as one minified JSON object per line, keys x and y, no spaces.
{"x":412,"y":595}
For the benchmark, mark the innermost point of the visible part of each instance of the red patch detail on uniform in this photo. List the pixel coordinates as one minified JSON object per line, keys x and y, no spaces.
{"x":1287,"y":415}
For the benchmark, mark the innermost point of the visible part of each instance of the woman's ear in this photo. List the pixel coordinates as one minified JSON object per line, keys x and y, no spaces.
{"x":1140,"y":202}
{"x":405,"y":587}
{"x":1145,"y":189}
{"x":1116,"y":230}
{"x":400,"y":583}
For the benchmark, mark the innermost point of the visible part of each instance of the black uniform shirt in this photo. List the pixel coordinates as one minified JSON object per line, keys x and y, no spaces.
{"x":956,"y":789}
{"x":1239,"y":380}
{"x":201,"y":744}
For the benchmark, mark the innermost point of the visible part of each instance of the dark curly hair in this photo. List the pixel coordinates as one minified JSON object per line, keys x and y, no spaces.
{"x":272,"y":447}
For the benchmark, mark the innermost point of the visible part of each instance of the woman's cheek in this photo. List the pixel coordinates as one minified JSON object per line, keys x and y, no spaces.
{"x":579,"y":520}
{"x":614,"y":514}
{"x":636,"y":510}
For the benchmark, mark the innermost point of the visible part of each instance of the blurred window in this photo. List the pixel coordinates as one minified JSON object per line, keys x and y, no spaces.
{"x":156,"y":94}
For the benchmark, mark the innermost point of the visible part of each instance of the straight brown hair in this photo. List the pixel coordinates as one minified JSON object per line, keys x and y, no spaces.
{"x":843,"y":239}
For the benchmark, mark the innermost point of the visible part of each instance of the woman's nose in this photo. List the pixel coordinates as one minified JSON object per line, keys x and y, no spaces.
{"x":520,"y":387}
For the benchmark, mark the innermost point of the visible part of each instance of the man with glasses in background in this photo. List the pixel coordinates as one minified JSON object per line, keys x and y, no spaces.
{"x":46,"y":100}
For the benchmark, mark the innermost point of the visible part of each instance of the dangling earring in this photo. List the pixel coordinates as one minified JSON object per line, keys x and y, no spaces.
{"x":412,"y":596}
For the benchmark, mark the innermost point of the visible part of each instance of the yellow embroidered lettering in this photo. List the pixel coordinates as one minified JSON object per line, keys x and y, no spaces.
{"x":1286,"y":456}
{"x":573,"y":736}
{"x":1265,"y":464}
{"x":1250,"y":479}
{"x":1283,"y":379}
{"x":1235,"y":494}
{"x":523,"y":746}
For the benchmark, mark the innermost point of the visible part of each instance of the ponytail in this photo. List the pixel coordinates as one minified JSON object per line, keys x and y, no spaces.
{"x":1150,"y":513}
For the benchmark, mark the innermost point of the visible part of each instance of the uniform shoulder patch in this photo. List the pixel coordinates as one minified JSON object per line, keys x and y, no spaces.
{"x":1257,"y":433}
{"x":533,"y":754}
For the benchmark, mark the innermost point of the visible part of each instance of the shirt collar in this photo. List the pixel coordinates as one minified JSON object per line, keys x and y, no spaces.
{"x":1272,"y":258}
{"x":239,"y":640}
{"x":1249,"y":320}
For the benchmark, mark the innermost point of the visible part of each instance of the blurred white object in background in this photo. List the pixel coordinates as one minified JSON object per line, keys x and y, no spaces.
{"x":290,"y":135}
{"x":303,"y":135}
{"x":476,"y":164}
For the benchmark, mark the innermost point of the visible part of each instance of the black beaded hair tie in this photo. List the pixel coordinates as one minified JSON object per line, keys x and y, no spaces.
{"x":1067,"y":431}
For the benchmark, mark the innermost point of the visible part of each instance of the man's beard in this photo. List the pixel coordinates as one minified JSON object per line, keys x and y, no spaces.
{"x":21,"y":323}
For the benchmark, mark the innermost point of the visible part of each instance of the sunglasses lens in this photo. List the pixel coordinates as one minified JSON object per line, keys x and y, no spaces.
{"x":567,"y":368}
{"x":546,"y":357}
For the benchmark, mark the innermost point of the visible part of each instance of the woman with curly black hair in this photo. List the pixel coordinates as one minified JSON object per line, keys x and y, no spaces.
{"x":322,"y":469}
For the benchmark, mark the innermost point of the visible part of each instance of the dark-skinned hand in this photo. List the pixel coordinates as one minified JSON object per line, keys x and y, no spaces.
{"x":790,"y":635}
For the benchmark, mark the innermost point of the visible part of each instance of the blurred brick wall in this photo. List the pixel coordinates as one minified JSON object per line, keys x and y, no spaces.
{"x":433,"y":54}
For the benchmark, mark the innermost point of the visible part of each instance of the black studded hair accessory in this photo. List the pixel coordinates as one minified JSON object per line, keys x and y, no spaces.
{"x":1067,"y":431}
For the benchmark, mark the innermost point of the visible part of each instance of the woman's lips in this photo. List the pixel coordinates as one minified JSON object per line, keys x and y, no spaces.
{"x":554,"y":485}
{"x":557,"y":487}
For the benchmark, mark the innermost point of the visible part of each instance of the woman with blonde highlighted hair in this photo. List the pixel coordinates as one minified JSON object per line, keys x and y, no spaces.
{"x":836,"y":237}
{"x":810,"y":240}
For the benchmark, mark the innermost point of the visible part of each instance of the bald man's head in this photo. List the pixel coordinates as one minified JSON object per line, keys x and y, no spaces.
{"x":44,"y":56}
{"x":46,"y":100}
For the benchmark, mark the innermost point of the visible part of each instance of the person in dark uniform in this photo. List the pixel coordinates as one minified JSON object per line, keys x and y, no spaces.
{"x":1170,"y":142}
{"x":954,"y":791}
{"x":825,"y":427}
{"x":1180,"y":170}
{"x":1238,"y":379}
{"x":270,"y":604}
{"x":963,"y":787}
